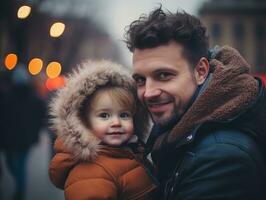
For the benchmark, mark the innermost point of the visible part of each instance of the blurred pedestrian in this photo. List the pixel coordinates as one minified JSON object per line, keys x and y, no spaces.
{"x":5,"y":87}
{"x":21,"y":121}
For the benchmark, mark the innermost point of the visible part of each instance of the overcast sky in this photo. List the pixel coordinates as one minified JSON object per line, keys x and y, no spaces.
{"x":117,"y":14}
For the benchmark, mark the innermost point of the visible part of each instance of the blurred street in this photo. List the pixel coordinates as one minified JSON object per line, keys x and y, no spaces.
{"x":38,"y":183}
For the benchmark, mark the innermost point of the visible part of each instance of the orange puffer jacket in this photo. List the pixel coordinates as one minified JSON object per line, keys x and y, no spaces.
{"x":82,"y":166}
{"x":114,"y":174}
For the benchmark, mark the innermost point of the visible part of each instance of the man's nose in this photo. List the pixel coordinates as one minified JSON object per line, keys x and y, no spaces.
{"x":151,"y":90}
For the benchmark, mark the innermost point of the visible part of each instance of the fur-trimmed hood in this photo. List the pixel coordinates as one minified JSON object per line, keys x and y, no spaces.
{"x":65,"y":106}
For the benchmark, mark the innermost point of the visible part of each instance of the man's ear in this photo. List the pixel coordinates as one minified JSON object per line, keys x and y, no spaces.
{"x":201,"y":70}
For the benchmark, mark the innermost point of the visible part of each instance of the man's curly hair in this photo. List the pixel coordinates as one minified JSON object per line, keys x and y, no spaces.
{"x":159,"y":28}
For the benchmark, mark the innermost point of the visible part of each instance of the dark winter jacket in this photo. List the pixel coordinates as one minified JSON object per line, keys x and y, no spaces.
{"x":217,"y":149}
{"x":22,"y":117}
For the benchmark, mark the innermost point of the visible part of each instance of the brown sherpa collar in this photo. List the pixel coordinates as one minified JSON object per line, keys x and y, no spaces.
{"x":230,"y":92}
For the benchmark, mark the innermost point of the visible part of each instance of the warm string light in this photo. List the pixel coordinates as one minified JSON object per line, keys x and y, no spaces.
{"x":53,"y":69}
{"x":35,"y":66}
{"x":11,"y":61}
{"x":57,"y":29}
{"x":23,"y":12}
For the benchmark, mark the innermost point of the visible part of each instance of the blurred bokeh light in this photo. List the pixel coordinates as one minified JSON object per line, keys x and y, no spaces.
{"x":35,"y":66}
{"x":24,"y":12}
{"x":57,"y":29}
{"x":55,"y":83}
{"x":53,"y":69}
{"x":11,"y":61}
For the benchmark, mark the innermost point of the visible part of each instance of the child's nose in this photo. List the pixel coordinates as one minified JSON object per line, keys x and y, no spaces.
{"x":116,"y":122}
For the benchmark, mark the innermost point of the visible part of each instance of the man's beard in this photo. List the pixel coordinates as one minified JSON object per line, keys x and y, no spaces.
{"x":162,"y":127}
{"x":167,"y":124}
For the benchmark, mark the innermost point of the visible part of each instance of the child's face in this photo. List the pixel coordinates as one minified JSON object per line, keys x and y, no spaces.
{"x":109,"y":121}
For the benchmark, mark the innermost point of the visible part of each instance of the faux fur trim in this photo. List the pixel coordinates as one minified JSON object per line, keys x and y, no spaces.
{"x":65,"y":105}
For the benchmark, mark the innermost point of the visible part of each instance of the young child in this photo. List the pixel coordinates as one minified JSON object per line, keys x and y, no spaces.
{"x":99,"y":121}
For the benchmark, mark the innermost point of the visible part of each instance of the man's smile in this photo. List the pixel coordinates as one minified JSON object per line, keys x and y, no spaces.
{"x":160,"y":106}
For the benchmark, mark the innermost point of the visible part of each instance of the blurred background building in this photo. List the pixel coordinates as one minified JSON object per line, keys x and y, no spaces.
{"x":241,"y":24}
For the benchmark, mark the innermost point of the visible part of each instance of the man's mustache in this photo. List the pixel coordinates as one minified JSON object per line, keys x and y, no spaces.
{"x":158,"y":101}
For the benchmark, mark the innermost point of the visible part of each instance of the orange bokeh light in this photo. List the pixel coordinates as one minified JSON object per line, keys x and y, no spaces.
{"x":53,"y":69}
{"x":35,"y":66}
{"x":55,"y":83}
{"x":11,"y":61}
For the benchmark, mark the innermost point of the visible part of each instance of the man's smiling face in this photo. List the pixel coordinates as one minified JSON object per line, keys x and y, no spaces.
{"x":165,"y":80}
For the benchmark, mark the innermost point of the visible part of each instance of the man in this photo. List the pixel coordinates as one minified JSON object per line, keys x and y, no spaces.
{"x":209,"y":116}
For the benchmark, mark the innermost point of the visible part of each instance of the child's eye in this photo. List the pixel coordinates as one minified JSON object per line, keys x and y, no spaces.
{"x":104,"y":115}
{"x":125,"y":115}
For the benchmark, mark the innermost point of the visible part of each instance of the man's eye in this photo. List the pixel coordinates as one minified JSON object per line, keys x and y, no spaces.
{"x":140,"y":81}
{"x":164,"y":75}
{"x":104,"y":115}
{"x":125,"y":115}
